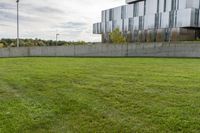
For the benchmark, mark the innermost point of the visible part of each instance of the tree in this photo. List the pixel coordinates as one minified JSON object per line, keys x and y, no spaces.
{"x":37,"y":42}
{"x":117,"y":37}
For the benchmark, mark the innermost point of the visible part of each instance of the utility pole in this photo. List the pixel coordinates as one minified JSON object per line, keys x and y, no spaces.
{"x":17,"y":23}
{"x":57,"y":38}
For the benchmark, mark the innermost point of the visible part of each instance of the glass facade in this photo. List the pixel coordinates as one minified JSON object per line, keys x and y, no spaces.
{"x":150,"y":16}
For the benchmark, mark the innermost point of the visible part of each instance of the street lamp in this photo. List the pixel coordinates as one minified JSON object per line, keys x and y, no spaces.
{"x":57,"y":38}
{"x":17,"y":23}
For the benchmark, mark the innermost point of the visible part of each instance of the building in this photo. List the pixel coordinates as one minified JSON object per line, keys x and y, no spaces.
{"x":152,"y":20}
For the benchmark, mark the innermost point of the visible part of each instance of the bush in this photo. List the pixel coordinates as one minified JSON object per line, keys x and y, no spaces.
{"x":1,"y":45}
{"x":117,"y":37}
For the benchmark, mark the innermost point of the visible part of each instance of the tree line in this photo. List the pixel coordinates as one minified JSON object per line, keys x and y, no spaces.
{"x":116,"y":37}
{"x":36,"y":42}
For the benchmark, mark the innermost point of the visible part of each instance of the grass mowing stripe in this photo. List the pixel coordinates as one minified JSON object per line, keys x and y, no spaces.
{"x":99,"y":95}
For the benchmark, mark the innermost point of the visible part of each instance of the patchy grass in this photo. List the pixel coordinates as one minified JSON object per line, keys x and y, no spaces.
{"x":99,"y":95}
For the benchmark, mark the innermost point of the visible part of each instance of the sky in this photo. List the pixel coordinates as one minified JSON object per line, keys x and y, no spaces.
{"x":42,"y":19}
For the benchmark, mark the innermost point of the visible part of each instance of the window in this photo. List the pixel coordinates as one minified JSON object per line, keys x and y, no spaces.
{"x":165,"y":6}
{"x":135,"y":10}
{"x":123,"y":12}
{"x":110,"y":15}
{"x":158,"y":4}
{"x":174,"y":2}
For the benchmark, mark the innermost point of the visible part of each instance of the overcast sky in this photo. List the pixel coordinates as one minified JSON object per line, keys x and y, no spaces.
{"x":73,"y":19}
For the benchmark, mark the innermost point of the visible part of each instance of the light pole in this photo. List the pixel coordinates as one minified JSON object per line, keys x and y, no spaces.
{"x":127,"y":43}
{"x":17,"y":23}
{"x":57,"y":38}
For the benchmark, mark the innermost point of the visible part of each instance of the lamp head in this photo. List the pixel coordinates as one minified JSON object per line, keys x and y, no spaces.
{"x":17,"y":1}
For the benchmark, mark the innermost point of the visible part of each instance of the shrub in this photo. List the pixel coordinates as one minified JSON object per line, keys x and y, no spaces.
{"x":1,"y":45}
{"x":117,"y":37}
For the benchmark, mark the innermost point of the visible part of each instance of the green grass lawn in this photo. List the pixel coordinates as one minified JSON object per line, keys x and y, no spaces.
{"x":112,"y":95}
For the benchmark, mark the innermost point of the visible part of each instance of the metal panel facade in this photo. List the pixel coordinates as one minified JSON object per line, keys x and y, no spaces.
{"x":129,"y":10}
{"x":150,"y":16}
{"x":141,"y":8}
{"x":151,"y":6}
{"x":117,"y":13}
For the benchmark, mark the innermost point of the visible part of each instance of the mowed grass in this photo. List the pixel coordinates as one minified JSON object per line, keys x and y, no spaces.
{"x":112,"y":95}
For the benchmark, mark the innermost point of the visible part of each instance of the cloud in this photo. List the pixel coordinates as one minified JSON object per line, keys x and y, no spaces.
{"x":72,"y":25}
{"x":4,"y":25}
{"x":44,"y":18}
{"x":46,"y":9}
{"x":6,"y":6}
{"x":11,"y":17}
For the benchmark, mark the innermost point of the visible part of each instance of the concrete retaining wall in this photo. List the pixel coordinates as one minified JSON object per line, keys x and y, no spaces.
{"x":108,"y":50}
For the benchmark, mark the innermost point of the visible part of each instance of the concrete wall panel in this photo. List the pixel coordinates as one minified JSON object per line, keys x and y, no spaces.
{"x":105,"y":50}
